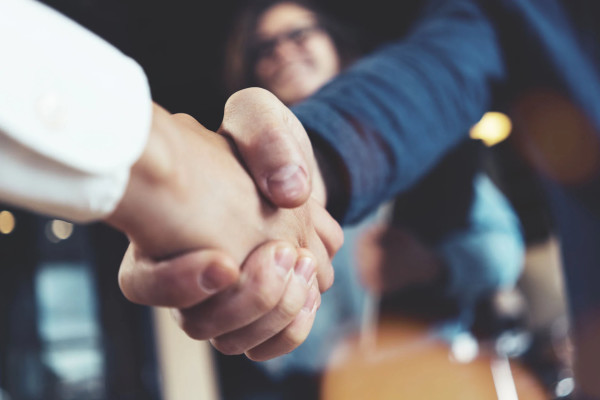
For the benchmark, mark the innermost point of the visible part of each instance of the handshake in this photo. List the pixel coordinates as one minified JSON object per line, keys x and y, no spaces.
{"x":229,"y":229}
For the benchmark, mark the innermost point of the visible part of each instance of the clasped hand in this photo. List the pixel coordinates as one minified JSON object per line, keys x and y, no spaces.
{"x":240,"y":263}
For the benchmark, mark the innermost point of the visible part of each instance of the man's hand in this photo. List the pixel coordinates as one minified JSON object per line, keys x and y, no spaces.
{"x":275,"y":146}
{"x":277,"y":151}
{"x":265,"y":309}
{"x":189,"y":191}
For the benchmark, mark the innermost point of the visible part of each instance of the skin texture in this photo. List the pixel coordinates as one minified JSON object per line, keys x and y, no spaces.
{"x":181,"y":152}
{"x":253,"y":283}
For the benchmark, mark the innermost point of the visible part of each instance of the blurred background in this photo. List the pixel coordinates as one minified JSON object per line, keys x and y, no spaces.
{"x":67,"y":333}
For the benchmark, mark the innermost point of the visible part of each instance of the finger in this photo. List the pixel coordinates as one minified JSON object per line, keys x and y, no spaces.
{"x":265,"y":275}
{"x":273,"y":144}
{"x":293,"y":300}
{"x":177,"y":282}
{"x":324,"y":241}
{"x":325,"y":272}
{"x":293,"y":335}
{"x":328,"y":230}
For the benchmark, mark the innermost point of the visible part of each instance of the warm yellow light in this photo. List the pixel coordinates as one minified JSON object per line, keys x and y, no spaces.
{"x":61,"y":229}
{"x":493,"y":128}
{"x":7,"y":222}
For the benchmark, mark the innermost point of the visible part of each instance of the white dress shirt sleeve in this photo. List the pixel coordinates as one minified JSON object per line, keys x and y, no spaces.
{"x":75,"y":114}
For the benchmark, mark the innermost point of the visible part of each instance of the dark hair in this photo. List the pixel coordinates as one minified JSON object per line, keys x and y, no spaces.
{"x":239,"y":53}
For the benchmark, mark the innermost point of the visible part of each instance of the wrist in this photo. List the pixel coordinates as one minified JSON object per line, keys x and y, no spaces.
{"x":152,"y":175}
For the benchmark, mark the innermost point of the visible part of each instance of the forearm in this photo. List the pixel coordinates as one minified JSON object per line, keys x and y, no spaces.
{"x":184,"y":185}
{"x":389,"y":117}
{"x":188,"y":190}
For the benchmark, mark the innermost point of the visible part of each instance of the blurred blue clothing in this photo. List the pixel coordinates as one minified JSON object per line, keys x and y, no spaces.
{"x":489,"y":254}
{"x":391,"y":117}
{"x":457,"y":211}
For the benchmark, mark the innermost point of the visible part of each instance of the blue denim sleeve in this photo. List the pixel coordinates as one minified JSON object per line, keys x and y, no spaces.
{"x":389,"y":117}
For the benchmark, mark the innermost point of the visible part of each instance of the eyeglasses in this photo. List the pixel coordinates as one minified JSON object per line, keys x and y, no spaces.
{"x":266,"y":48}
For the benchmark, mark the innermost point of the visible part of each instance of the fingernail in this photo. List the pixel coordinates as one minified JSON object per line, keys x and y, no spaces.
{"x":213,"y":279}
{"x":305,"y":268}
{"x":288,"y":181}
{"x":311,"y":299}
{"x":284,"y":261}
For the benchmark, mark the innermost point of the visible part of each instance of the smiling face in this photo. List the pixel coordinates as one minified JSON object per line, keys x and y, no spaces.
{"x":294,"y":56}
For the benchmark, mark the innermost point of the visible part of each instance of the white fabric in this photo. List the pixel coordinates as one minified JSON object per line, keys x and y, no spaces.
{"x":74,"y":114}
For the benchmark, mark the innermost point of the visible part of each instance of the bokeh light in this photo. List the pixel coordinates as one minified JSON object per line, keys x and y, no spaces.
{"x":493,"y":128}
{"x":57,"y":230}
{"x":7,"y":222}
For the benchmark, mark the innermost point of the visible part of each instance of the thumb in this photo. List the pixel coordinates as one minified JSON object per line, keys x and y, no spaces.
{"x":272,"y":143}
{"x":181,"y":281}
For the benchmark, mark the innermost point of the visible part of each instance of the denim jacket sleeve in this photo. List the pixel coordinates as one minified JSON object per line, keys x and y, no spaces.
{"x":390,"y":116}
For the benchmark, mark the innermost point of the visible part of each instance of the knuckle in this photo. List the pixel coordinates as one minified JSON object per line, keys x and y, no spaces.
{"x":265,"y":300}
{"x":187,"y":118}
{"x":326,"y":278}
{"x":287,"y":341}
{"x":266,"y":290}
{"x":294,"y":335}
{"x":256,"y":355}
{"x":338,"y":238}
{"x":193,"y":328}
{"x":135,"y":289}
{"x":125,"y":284}
{"x":288,"y":307}
{"x":226,"y":346}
